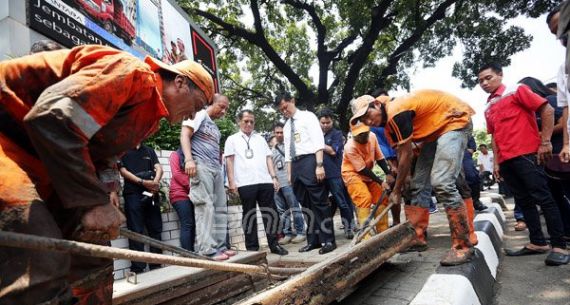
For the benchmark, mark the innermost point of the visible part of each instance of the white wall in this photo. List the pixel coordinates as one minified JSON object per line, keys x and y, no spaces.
{"x":171,"y":225}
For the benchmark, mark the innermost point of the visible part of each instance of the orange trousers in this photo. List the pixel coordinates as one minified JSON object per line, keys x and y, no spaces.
{"x":29,"y":205}
{"x":364,"y":195}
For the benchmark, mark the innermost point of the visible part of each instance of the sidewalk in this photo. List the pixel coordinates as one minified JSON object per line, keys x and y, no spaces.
{"x":526,"y":279}
{"x":399,"y":281}
{"x":418,"y":278}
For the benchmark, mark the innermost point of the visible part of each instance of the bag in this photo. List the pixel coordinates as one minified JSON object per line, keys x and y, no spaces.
{"x":557,"y":169}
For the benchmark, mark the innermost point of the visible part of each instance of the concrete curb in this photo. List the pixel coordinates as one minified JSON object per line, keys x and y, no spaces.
{"x":471,"y":283}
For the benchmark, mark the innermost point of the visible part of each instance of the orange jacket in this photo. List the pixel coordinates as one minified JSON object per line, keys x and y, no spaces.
{"x":424,"y":115}
{"x":77,"y":110}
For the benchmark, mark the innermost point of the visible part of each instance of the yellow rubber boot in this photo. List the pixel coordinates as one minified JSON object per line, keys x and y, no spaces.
{"x":382,"y":225}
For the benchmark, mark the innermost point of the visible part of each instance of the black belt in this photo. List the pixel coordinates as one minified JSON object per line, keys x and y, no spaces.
{"x":297,"y":158}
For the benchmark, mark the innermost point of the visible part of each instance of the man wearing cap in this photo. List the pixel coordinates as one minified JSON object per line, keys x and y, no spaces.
{"x":304,"y":144}
{"x":364,"y":187}
{"x":442,"y":122}
{"x":62,"y":125}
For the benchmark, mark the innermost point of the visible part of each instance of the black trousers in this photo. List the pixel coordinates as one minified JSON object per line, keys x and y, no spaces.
{"x":313,"y":198}
{"x":528,"y":182}
{"x":140,"y":215}
{"x":561,"y":193}
{"x":262,"y":194}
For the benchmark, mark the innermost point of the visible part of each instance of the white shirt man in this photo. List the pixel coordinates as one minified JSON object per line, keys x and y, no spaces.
{"x":304,"y":144}
{"x":485,"y":160}
{"x":249,"y":164}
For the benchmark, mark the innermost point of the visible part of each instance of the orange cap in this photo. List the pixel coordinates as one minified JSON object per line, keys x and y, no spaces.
{"x":358,"y":128}
{"x":190,"y":69}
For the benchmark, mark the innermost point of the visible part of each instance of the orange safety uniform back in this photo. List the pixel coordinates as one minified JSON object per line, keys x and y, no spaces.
{"x":424,"y":115}
{"x":88,"y":105}
{"x":358,"y":156}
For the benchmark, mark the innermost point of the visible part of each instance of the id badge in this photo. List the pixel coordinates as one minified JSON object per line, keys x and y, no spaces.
{"x":297,"y":137}
{"x":279,"y":164}
{"x":249,"y":153}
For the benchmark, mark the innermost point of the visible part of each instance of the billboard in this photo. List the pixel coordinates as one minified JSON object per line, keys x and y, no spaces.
{"x":158,"y":28}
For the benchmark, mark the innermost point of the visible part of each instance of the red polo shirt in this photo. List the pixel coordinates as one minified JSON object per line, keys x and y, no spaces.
{"x":511,"y":120}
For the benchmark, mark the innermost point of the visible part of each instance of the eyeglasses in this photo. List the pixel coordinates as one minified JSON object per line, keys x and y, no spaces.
{"x":248,"y":122}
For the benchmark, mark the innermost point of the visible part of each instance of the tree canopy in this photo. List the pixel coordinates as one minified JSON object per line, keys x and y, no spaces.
{"x":356,"y":46}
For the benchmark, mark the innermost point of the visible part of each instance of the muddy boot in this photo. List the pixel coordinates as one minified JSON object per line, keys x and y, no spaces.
{"x":461,"y":250}
{"x":419,"y":219}
{"x":470,"y":217}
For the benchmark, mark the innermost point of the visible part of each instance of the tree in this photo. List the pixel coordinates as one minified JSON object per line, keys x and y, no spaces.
{"x":357,"y":46}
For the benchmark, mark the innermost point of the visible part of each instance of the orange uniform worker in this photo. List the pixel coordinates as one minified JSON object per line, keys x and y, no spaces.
{"x":64,"y":117}
{"x":364,"y":187}
{"x":442,"y":122}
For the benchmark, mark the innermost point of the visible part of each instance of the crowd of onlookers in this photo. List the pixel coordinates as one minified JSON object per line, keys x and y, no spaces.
{"x":303,"y":170}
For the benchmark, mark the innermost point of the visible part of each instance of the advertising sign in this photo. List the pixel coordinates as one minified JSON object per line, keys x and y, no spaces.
{"x":157,"y":28}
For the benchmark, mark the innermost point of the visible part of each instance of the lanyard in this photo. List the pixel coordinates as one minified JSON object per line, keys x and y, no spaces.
{"x":247,"y":141}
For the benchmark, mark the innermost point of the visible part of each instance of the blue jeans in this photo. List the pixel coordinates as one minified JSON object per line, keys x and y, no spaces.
{"x":288,"y":204}
{"x":142,"y":214}
{"x":438,"y":167}
{"x":342,"y":199}
{"x":185,"y":211}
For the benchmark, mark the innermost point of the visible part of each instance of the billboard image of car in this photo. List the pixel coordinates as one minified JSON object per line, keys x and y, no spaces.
{"x":158,"y":28}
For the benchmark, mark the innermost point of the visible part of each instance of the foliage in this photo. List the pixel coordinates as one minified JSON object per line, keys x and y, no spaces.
{"x":356,"y":46}
{"x":167,"y":137}
{"x":482,"y":137}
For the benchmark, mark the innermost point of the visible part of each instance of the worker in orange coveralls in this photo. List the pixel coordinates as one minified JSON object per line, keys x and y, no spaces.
{"x":364,"y":187}
{"x":443,"y":123}
{"x":65,"y":116}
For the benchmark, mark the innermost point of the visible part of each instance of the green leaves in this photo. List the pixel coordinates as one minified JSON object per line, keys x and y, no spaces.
{"x":315,"y":48}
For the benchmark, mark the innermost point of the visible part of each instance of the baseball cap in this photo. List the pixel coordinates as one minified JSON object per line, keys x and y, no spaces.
{"x":358,"y":128}
{"x":190,"y":69}
{"x":360,"y":105}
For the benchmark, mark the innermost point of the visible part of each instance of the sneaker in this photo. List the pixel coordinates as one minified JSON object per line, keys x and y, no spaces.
{"x":433,"y":211}
{"x":348,"y":234}
{"x":298,"y":239}
{"x":285,"y":240}
{"x":229,"y":252}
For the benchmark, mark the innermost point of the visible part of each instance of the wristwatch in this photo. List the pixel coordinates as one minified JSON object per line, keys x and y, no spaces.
{"x":319,"y":164}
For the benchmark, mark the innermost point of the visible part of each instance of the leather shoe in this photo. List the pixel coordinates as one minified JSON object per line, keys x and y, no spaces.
{"x":277,"y":249}
{"x":308,"y":248}
{"x":328,"y":247}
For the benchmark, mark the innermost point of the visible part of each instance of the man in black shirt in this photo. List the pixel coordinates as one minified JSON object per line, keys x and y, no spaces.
{"x":142,"y":173}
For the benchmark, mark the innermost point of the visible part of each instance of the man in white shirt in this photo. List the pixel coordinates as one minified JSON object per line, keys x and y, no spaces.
{"x":249,"y":165}
{"x":485,"y":163}
{"x":562,"y":95}
{"x":485,"y":159}
{"x":304,"y":144}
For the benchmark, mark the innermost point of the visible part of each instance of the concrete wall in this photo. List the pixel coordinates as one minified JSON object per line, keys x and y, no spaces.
{"x":171,"y":225}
